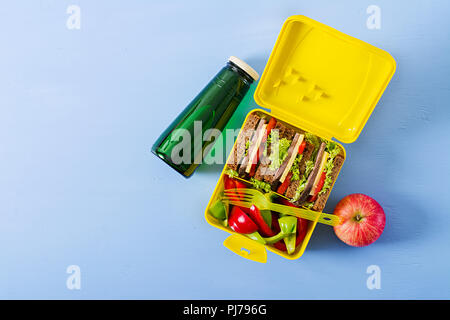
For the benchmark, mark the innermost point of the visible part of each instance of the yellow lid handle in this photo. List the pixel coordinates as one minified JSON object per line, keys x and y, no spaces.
{"x":247,"y":248}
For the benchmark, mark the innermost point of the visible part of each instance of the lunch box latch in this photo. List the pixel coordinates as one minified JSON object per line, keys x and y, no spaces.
{"x":246,"y":248}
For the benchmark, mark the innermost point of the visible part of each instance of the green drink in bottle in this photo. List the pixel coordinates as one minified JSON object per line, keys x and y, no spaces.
{"x":184,"y":143}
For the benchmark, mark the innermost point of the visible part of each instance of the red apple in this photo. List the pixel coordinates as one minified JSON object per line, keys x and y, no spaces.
{"x":362,"y":220}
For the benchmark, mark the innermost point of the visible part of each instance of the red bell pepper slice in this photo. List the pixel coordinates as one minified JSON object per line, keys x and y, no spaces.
{"x":302,"y":228}
{"x":240,"y":185}
{"x":280,"y":245}
{"x":283,"y":187}
{"x":240,"y":222}
{"x":230,"y":183}
{"x":275,"y":224}
{"x":256,"y":216}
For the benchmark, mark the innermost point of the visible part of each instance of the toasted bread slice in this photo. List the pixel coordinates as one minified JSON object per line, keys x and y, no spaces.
{"x":244,"y":136}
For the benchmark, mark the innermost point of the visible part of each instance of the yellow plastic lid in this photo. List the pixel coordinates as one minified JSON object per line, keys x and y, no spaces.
{"x":325,"y":81}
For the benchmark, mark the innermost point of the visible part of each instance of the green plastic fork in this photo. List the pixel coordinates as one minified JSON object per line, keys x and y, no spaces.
{"x":248,"y":197}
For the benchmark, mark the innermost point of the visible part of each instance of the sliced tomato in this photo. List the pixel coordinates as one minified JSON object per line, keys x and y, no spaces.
{"x":272,"y":123}
{"x":283,"y":187}
{"x":302,"y":147}
{"x":319,"y":187}
{"x":253,"y":170}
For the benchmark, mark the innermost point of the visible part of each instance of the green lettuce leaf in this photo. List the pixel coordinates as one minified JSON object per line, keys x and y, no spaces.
{"x":247,"y":146}
{"x":260,"y":185}
{"x":231,"y":173}
{"x":313,"y":139}
{"x":295,"y":169}
{"x":309,"y":167}
{"x":277,"y":160}
{"x":308,"y":205}
{"x":333,"y":149}
{"x":269,"y":138}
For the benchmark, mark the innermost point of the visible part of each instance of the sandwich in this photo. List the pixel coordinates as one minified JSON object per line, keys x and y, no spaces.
{"x":296,"y":164}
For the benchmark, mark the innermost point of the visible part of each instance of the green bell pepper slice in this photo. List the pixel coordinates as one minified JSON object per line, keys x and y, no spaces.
{"x":267,"y":216}
{"x":289,"y":241}
{"x":257,"y":237}
{"x":218,"y":210}
{"x":288,"y":226}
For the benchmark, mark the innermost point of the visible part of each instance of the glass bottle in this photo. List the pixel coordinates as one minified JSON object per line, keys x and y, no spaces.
{"x":184,"y":144}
